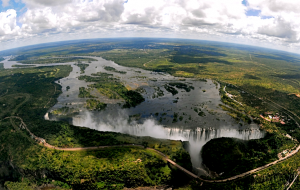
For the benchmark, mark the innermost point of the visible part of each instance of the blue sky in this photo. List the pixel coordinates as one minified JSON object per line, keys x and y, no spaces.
{"x":256,"y":22}
{"x":254,"y":12}
{"x":13,"y":4}
{"x":16,"y":5}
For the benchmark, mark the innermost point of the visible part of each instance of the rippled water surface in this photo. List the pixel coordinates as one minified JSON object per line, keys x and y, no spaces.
{"x":155,"y":113}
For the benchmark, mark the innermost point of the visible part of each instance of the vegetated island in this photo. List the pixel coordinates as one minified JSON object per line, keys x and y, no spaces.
{"x":256,"y":84}
{"x":82,"y":66}
{"x":112,"y":69}
{"x":112,"y":88}
{"x":29,"y":93}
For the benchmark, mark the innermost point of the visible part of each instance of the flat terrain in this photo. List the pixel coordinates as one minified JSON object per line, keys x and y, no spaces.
{"x":258,"y":82}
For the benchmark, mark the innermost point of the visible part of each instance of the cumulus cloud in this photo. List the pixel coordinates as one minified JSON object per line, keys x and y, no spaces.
{"x":225,"y":20}
{"x":71,"y":17}
{"x":8,"y":26}
{"x":281,"y":29}
{"x":40,"y":3}
{"x":275,"y":7}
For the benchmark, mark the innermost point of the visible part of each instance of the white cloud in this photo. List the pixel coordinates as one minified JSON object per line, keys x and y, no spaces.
{"x":214,"y":19}
{"x":8,"y":26}
{"x":279,"y":28}
{"x":5,"y":3}
{"x":44,"y":3}
{"x":71,"y":17}
{"x":275,"y":7}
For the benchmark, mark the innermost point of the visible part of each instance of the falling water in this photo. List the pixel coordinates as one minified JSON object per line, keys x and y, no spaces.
{"x":215,"y":124}
{"x":197,"y":137}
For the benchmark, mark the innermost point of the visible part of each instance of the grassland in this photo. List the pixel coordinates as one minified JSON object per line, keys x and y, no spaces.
{"x":64,"y":111}
{"x":85,"y":93}
{"x":22,"y":66}
{"x":82,"y":66}
{"x":51,"y":60}
{"x":113,"y":88}
{"x":262,"y":80}
{"x":240,"y":156}
{"x":112,"y":69}
{"x":93,"y":104}
{"x":26,"y":93}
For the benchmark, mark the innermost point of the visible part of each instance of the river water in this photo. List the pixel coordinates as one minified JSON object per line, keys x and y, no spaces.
{"x":154,"y":117}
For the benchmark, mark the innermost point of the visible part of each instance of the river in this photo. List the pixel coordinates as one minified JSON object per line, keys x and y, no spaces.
{"x":156,"y":113}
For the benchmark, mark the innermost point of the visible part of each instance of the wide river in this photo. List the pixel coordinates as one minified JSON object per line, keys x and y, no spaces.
{"x":154,"y":117}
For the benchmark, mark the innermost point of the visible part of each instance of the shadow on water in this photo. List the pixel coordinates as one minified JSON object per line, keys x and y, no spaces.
{"x":156,"y":113}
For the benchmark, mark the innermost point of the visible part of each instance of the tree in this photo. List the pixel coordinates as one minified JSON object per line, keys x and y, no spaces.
{"x":145,"y":144}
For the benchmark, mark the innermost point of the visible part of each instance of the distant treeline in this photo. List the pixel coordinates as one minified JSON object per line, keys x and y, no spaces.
{"x":54,"y":60}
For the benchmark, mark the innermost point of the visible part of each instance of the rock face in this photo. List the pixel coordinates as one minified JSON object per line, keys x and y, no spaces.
{"x":10,"y":172}
{"x":230,"y":156}
{"x":6,"y":173}
{"x":223,"y":154}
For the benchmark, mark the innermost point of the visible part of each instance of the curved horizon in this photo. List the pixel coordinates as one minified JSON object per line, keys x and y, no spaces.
{"x":145,"y":38}
{"x":262,"y":23}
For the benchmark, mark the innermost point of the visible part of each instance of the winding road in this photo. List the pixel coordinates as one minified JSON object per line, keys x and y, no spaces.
{"x":43,"y":142}
{"x":293,"y":180}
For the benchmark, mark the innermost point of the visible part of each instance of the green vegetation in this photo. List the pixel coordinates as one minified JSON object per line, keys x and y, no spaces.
{"x":52,"y":60}
{"x":140,"y":90}
{"x":175,"y":117}
{"x":270,"y":78}
{"x":253,"y":106}
{"x":158,"y":92}
{"x":64,"y":111}
{"x":82,"y":66}
{"x":171,"y":89}
{"x":24,"y":184}
{"x":85,"y":93}
{"x":112,"y":69}
{"x":112,"y":88}
{"x":29,"y":93}
{"x":239,"y":156}
{"x":93,"y":104}
{"x":238,"y":115}
{"x":107,"y":80}
{"x":134,"y":117}
{"x":1,"y":65}
{"x":181,"y":86}
{"x":102,"y":76}
{"x":199,"y":111}
{"x":22,"y":65}
{"x":9,"y":102}
{"x":275,"y":177}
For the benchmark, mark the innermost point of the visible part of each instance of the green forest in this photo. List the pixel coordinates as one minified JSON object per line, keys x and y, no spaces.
{"x":261,"y":80}
{"x":112,"y":88}
{"x":29,"y":164}
{"x":82,"y":66}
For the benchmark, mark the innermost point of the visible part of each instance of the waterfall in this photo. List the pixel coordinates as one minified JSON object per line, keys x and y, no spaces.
{"x":197,"y":137}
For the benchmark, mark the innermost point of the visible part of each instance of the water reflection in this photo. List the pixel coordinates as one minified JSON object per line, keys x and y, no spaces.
{"x":196,"y":129}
